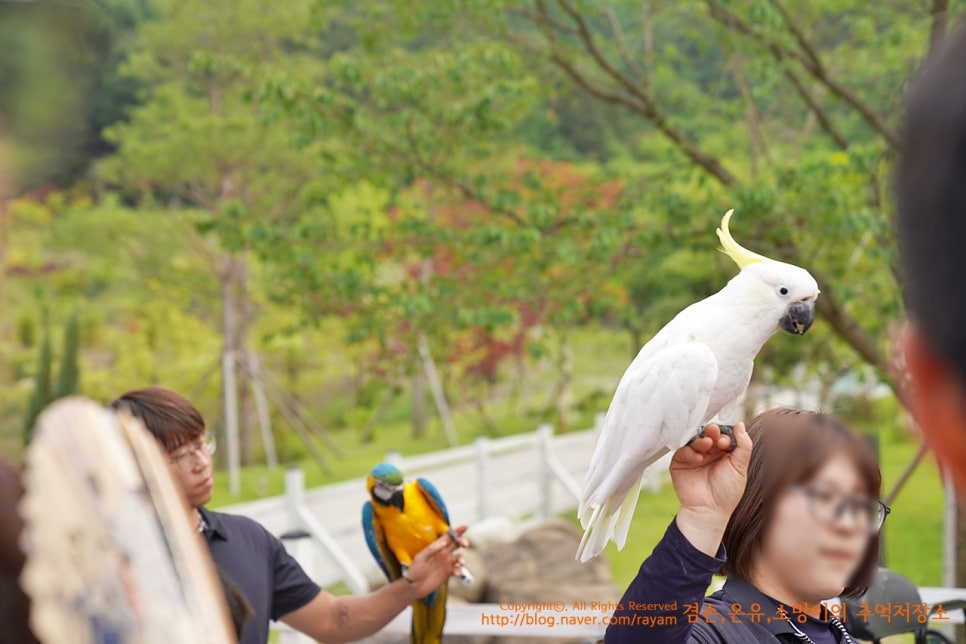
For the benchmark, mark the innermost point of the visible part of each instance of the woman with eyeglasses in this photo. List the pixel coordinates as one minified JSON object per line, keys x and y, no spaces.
{"x":791,"y":517}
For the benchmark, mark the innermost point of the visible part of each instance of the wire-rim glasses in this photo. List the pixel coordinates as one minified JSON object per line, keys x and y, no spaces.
{"x":827,"y":506}
{"x":188,"y":460}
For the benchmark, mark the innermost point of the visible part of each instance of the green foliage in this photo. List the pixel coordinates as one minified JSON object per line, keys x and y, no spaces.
{"x":44,"y":392}
{"x":41,"y":393}
{"x":62,"y":87}
{"x":69,"y":374}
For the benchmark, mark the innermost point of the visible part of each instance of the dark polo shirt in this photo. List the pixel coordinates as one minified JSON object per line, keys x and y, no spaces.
{"x":271,"y":579}
{"x":666,"y":603}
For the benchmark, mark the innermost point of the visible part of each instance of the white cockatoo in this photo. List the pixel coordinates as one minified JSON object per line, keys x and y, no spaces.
{"x":691,"y":372}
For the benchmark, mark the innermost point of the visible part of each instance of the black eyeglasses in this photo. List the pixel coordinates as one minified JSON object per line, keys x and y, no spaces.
{"x":828,"y":505}
{"x":188,"y":460}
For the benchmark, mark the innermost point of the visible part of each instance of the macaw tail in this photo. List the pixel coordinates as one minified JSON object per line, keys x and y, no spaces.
{"x":429,"y":615}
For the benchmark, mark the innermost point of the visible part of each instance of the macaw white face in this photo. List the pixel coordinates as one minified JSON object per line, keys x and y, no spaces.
{"x":388,"y":494}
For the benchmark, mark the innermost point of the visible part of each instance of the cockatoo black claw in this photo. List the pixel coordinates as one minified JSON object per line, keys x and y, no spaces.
{"x":727,"y":430}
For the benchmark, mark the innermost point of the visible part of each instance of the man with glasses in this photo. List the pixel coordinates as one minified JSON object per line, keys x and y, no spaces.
{"x":274,"y":584}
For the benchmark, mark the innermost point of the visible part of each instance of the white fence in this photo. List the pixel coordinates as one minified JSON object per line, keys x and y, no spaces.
{"x":535,"y":475}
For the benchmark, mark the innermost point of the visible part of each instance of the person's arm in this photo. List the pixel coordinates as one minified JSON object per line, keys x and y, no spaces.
{"x":675,"y":575}
{"x":332,"y":619}
{"x":709,"y":483}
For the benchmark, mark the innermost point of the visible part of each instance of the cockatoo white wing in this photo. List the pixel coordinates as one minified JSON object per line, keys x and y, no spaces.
{"x":658,"y":407}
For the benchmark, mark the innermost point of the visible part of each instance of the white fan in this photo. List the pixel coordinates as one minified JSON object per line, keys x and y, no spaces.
{"x":111,"y":556}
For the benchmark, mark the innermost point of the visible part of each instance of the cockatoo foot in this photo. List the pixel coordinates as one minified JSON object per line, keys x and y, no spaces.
{"x":727,"y":430}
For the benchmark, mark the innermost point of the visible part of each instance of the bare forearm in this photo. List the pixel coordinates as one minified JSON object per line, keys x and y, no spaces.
{"x":350,"y":618}
{"x":358,"y":616}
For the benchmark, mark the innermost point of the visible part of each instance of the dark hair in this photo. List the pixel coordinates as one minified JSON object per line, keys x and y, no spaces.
{"x":14,"y":603}
{"x":167,"y":415}
{"x":790,"y":447}
{"x":931,"y":194}
{"x":238,"y":607}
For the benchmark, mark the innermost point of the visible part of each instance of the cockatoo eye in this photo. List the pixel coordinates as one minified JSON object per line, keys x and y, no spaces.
{"x":782,"y":290}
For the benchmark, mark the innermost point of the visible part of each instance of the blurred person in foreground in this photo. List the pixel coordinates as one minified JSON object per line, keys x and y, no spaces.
{"x":931,"y":229}
{"x":14,"y":604}
{"x":275,"y":585}
{"x":790,"y":523}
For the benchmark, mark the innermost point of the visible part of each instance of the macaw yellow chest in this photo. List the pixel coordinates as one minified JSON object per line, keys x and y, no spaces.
{"x":415,"y":527}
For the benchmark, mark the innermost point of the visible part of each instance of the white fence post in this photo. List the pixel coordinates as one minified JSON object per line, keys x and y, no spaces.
{"x":306,"y":528}
{"x":294,"y":494}
{"x":544,"y":444}
{"x":599,"y":418}
{"x":482,"y":480}
{"x":394,"y":458}
{"x":297,"y":540}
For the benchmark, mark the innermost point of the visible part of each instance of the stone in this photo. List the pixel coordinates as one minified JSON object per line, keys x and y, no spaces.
{"x":539,"y":567}
{"x":488,"y":532}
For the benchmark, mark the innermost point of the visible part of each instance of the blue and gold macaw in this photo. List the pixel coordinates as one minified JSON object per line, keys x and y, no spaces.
{"x":400,"y":520}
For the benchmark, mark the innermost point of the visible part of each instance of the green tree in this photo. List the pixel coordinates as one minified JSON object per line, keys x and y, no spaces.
{"x":785,"y":116}
{"x":196,"y":136}
{"x":44,"y":391}
{"x":482,"y":232}
{"x":40,"y":396}
{"x":62,"y":87}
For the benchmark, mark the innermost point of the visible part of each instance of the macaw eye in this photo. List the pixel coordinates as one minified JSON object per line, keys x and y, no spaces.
{"x":782,"y":290}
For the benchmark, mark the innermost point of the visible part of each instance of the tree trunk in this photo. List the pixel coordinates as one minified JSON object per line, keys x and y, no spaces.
{"x":561,"y":398}
{"x":519,"y":395}
{"x":235,"y":319}
{"x":261,"y":406}
{"x":960,"y":581}
{"x":229,"y":370}
{"x":245,"y":406}
{"x":436,"y":386}
{"x":939,"y":19}
{"x":954,"y":546}
{"x":245,"y":429}
{"x":419,"y":401}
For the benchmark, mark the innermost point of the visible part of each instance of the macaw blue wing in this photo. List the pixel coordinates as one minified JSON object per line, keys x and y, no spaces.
{"x":376,"y":540}
{"x":434,"y":497}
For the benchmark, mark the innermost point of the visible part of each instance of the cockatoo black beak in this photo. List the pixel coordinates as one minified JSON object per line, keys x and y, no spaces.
{"x":798,"y":317}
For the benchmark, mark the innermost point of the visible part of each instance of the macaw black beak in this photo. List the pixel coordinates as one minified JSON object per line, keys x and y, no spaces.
{"x":397,"y":500}
{"x":798,"y":317}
